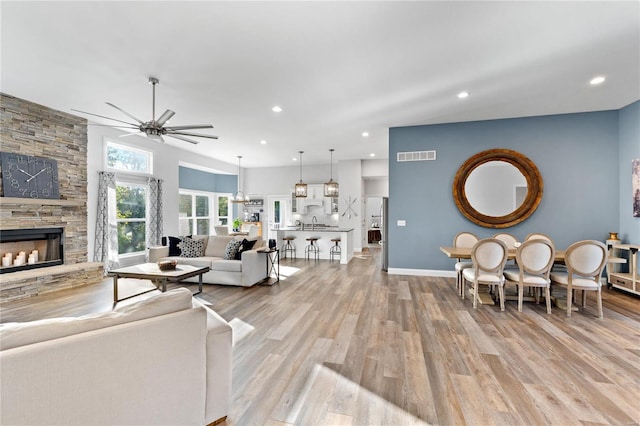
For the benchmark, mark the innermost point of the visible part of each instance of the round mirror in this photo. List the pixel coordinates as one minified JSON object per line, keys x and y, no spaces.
{"x":497,"y":188}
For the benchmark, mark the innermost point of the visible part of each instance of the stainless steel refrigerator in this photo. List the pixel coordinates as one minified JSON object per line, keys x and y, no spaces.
{"x":384,"y":231}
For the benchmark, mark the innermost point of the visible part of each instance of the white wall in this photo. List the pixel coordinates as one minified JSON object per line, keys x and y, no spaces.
{"x":375,"y":168}
{"x":352,"y":188}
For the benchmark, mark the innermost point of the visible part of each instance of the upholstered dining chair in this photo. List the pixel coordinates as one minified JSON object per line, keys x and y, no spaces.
{"x":511,"y":242}
{"x":488,"y":257}
{"x":585,"y":261}
{"x":506,"y":238}
{"x":221,"y":229}
{"x":535,"y":259}
{"x":466,"y":240}
{"x":538,"y":236}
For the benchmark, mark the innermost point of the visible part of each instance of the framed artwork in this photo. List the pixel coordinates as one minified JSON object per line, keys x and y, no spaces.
{"x":635,"y":186}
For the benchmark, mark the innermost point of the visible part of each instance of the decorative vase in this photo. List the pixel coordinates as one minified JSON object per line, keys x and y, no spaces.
{"x":613,"y":236}
{"x":272,"y":243}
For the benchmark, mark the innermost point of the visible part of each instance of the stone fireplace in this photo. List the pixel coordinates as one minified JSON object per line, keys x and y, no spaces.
{"x":32,"y":129}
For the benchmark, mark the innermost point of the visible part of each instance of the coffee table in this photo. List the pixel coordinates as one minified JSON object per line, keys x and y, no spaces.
{"x":150,"y":271}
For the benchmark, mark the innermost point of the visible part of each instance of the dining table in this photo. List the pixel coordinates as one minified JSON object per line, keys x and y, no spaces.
{"x":486,"y":298}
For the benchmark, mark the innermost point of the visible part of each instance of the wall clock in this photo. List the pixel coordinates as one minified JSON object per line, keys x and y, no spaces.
{"x":27,"y":176}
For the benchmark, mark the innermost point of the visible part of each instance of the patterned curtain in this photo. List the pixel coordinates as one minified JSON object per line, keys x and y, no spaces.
{"x":106,"y":245}
{"x":154,"y":213}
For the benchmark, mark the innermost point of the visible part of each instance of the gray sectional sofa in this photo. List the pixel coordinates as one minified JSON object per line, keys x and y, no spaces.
{"x":250,"y":269}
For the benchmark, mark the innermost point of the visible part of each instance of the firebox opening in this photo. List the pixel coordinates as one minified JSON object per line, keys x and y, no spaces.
{"x":23,"y":249}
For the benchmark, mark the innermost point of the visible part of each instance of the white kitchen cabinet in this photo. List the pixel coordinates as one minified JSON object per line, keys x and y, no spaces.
{"x":330,"y":205}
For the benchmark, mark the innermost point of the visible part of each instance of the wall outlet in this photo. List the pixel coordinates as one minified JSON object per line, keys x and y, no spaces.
{"x":402,"y":223}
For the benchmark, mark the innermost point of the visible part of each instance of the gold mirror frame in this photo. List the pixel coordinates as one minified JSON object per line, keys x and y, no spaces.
{"x":522,"y":163}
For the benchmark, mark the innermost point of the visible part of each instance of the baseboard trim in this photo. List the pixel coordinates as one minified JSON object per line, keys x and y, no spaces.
{"x":422,"y":272}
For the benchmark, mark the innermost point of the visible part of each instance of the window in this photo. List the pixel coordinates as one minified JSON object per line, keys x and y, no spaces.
{"x":223,"y":209}
{"x":127,"y":159}
{"x":199,"y":211}
{"x":131,"y":204}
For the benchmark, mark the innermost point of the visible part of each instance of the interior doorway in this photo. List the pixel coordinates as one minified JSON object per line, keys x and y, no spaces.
{"x":278,"y":214}
{"x":372,"y":223}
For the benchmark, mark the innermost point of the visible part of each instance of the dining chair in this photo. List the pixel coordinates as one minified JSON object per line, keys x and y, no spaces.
{"x":511,"y":242}
{"x":221,"y":229}
{"x":535,"y":259}
{"x":506,"y":238}
{"x":488,"y":257}
{"x":466,"y":240}
{"x":585,"y":261}
{"x":538,"y":236}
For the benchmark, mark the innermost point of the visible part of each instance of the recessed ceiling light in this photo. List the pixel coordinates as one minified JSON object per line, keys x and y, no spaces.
{"x":372,"y":154}
{"x":276,"y":109}
{"x":365,"y":134}
{"x":597,"y":80}
{"x":294,"y":159}
{"x":263,"y":142}
{"x":463,"y":95}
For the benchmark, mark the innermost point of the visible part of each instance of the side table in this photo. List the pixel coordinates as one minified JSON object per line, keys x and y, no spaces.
{"x":273,"y":265}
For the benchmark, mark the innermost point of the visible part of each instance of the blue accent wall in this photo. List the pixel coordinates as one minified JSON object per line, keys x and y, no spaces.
{"x":629,"y":121}
{"x":578,"y":158}
{"x":198,"y":180}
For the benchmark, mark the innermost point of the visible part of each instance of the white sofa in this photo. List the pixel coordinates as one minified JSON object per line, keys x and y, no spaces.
{"x":165,"y":360}
{"x":251,"y":269}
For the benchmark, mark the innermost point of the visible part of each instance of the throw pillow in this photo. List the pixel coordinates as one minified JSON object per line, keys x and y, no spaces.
{"x":191,"y":247}
{"x":232,"y":249}
{"x":174,"y":250}
{"x":246,"y":245}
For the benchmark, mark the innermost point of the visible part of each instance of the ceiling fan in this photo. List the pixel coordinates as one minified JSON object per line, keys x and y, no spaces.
{"x":156,"y":129}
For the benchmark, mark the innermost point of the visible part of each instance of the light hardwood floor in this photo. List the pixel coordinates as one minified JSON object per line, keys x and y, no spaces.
{"x":348,"y":344}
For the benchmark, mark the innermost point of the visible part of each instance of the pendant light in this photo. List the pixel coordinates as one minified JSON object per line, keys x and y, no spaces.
{"x":239,"y":197}
{"x":331,"y":188}
{"x":301,"y":187}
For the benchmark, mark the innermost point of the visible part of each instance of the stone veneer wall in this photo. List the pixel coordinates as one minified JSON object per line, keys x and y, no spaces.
{"x":31,"y":129}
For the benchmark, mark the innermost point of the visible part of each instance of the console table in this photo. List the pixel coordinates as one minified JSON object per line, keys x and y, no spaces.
{"x":627,"y":281}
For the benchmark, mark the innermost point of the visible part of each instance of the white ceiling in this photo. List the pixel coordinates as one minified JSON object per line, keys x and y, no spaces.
{"x":336,"y":68}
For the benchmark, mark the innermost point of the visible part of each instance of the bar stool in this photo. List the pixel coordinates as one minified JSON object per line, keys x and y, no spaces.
{"x":312,"y":248}
{"x":335,"y":249}
{"x":288,"y":247}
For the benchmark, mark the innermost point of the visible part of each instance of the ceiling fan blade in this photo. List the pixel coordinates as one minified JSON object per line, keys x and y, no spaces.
{"x":131,"y":134}
{"x":190,"y":126}
{"x":124,"y":112}
{"x":102,"y":116}
{"x":166,"y":116}
{"x":117,"y":126}
{"x":199,"y":135}
{"x":182,"y":138}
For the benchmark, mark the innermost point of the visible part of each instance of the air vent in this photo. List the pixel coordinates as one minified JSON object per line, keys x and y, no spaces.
{"x":417,"y":156}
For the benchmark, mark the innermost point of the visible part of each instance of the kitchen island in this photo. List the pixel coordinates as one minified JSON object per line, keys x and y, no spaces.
{"x":325,"y":235}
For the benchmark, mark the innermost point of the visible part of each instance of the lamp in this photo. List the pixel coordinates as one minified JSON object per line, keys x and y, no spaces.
{"x":301,"y":188}
{"x":239,"y":197}
{"x":331,"y":188}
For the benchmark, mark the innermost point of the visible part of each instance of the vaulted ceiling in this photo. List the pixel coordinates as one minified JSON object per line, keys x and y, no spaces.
{"x":337,"y":69}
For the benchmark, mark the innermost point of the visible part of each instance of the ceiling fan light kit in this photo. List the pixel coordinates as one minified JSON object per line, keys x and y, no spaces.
{"x":155,"y":129}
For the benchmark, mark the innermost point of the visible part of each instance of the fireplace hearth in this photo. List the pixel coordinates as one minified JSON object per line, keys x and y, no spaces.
{"x":23,"y":249}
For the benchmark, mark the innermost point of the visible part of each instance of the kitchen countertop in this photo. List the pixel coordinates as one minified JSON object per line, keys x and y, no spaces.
{"x":318,"y":229}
